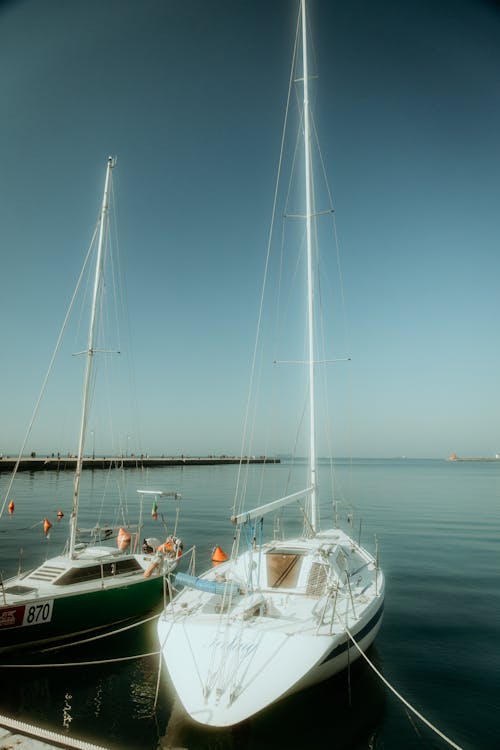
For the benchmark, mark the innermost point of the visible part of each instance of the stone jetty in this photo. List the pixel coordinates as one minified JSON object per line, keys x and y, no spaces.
{"x":68,"y":463}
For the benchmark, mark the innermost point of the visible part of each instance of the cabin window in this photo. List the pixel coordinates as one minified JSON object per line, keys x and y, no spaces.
{"x":95,"y":572}
{"x":19,"y":590}
{"x":283,"y":568}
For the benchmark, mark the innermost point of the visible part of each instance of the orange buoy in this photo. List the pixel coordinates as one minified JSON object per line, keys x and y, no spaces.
{"x":166,"y":547}
{"x":123,"y":539}
{"x":218,"y":555}
{"x":172,"y":546}
{"x":46,"y":526}
{"x":11,"y":507}
{"x":60,"y":514}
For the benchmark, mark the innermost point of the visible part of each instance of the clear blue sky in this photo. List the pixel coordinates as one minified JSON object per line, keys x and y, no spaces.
{"x":189,"y":95}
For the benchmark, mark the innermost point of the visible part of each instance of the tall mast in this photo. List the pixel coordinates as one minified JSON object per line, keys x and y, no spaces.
{"x":310,"y":277}
{"x":99,"y":264}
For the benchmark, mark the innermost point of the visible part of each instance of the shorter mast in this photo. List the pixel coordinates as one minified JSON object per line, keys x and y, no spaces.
{"x":99,"y":265}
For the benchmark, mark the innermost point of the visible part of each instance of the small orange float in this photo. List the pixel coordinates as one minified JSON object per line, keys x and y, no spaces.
{"x":218,"y":556}
{"x":123,"y":539}
{"x":11,"y":507}
{"x":46,"y":526}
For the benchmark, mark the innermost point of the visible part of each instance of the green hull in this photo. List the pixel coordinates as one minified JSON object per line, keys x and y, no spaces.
{"x":79,"y":614}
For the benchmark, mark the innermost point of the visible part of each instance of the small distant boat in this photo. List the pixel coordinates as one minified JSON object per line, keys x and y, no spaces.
{"x":279,"y":615}
{"x":104,"y":577}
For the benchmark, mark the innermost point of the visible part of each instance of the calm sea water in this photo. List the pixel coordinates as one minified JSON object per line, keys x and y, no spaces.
{"x":438,"y":526}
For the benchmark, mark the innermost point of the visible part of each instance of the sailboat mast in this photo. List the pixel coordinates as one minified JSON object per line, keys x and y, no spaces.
{"x":90,"y":352}
{"x":310,"y":277}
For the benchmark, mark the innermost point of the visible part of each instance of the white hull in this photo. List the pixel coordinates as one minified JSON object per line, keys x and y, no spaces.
{"x":284,"y":632}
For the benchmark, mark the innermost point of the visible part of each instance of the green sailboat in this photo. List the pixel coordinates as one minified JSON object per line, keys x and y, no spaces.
{"x":104,"y":576}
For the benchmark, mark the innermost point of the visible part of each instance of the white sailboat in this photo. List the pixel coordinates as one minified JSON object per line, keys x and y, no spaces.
{"x":94,"y":583}
{"x":282,"y":614}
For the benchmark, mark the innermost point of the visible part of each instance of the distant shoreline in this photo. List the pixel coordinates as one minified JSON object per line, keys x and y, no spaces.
{"x":68,"y":463}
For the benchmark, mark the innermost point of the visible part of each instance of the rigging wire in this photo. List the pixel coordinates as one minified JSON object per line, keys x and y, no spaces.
{"x":123,"y":310}
{"x":238,"y":500}
{"x":49,"y":372}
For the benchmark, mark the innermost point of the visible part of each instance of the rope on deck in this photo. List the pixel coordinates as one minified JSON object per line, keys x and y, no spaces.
{"x":61,"y":740}
{"x":400,"y":697}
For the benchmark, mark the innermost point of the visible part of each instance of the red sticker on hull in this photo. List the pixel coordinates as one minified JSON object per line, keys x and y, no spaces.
{"x":11,"y":617}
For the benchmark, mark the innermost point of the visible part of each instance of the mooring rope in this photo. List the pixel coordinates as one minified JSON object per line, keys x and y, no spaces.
{"x":42,"y":665}
{"x":100,"y":635}
{"x":400,"y":697}
{"x":84,"y":746}
{"x":95,"y":662}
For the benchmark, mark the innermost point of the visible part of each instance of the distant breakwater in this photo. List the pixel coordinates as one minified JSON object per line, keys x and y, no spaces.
{"x":68,"y":463}
{"x":473,"y":458}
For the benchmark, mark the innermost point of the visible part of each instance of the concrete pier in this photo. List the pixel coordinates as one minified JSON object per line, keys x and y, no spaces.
{"x":23,"y":736}
{"x":68,"y":463}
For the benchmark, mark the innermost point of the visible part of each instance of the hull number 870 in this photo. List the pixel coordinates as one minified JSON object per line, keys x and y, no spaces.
{"x":37,"y":614}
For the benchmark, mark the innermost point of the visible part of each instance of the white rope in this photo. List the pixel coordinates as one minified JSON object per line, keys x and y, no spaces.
{"x":101,"y":635}
{"x":89,"y":640}
{"x":400,"y":697}
{"x":61,"y":739}
{"x":79,"y":663}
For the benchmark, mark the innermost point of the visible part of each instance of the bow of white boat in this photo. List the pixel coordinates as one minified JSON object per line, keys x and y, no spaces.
{"x":225,"y":674}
